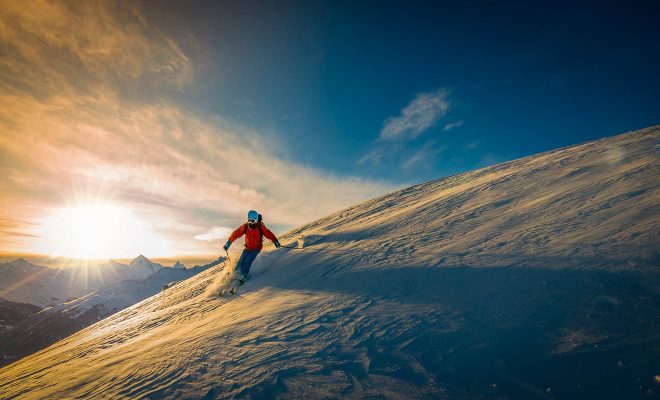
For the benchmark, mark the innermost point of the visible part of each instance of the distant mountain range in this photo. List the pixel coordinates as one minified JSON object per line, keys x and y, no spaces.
{"x":26,"y":328}
{"x":24,"y":282}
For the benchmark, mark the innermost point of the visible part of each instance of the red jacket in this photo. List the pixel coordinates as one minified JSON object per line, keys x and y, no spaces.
{"x":253,"y":238}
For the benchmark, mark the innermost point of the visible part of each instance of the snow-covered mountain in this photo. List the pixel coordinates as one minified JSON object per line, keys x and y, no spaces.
{"x":21,"y":281}
{"x":54,"y":323}
{"x":536,"y":278}
{"x":141,"y":267}
{"x":12,"y":313}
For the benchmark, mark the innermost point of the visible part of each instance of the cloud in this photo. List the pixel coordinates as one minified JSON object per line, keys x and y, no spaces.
{"x":85,"y":116}
{"x":418,"y":116}
{"x":65,"y":47}
{"x":398,"y":140}
{"x":424,"y":155}
{"x":217,"y":233}
{"x":374,"y":156}
{"x":452,"y":125}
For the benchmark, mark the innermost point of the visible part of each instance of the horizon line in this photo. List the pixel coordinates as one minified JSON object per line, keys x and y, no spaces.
{"x":46,"y":260}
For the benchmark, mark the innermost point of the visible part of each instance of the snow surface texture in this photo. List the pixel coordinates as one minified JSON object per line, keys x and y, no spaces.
{"x":536,"y":278}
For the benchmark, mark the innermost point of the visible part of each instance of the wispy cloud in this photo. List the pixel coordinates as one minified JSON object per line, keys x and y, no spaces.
{"x":425,"y":155}
{"x":398,"y":141}
{"x":217,"y":233}
{"x":418,"y":116}
{"x":452,"y":125}
{"x":55,"y":47}
{"x":85,"y":116}
{"x":372,"y":157}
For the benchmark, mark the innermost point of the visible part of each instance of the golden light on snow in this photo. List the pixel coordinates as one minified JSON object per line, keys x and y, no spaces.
{"x":96,"y":231}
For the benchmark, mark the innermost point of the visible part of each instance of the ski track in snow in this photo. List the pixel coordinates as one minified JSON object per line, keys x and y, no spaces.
{"x":514,"y":280}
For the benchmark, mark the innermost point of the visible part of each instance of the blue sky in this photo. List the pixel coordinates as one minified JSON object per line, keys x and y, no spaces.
{"x":522,"y":79}
{"x":178,"y":117}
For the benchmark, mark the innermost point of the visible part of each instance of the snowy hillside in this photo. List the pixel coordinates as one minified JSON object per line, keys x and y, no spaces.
{"x":536,"y":278}
{"x":21,"y":281}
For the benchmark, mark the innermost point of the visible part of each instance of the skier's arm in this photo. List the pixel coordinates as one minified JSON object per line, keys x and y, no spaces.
{"x":270,"y":235}
{"x":237,"y":233}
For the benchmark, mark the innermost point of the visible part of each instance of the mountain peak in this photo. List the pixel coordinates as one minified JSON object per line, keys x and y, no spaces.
{"x":178,"y":264}
{"x":22,"y":262}
{"x":141,"y":259}
{"x":141,"y":267}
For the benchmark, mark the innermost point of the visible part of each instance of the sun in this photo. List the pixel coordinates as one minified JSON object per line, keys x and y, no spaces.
{"x":95,"y":231}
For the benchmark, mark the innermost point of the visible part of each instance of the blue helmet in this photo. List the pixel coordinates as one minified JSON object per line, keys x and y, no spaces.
{"x":253,"y":215}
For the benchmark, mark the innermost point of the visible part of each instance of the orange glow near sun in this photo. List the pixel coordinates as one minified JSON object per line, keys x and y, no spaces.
{"x":96,"y":231}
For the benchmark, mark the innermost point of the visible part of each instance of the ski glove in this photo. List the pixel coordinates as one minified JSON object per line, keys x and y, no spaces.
{"x":277,"y":243}
{"x":226,"y":246}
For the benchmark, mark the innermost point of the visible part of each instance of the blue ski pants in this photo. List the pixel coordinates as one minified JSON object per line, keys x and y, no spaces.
{"x":246,"y":260}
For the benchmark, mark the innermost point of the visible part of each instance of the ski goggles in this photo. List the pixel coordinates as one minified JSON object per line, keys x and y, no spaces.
{"x":252,"y":221}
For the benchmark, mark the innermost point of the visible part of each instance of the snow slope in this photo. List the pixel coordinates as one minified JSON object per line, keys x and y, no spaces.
{"x":536,"y":278}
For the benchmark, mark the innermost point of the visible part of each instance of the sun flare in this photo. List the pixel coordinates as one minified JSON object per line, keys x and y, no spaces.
{"x":95,"y":231}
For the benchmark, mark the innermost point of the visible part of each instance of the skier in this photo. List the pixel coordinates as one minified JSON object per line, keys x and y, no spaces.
{"x":254,"y":231}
